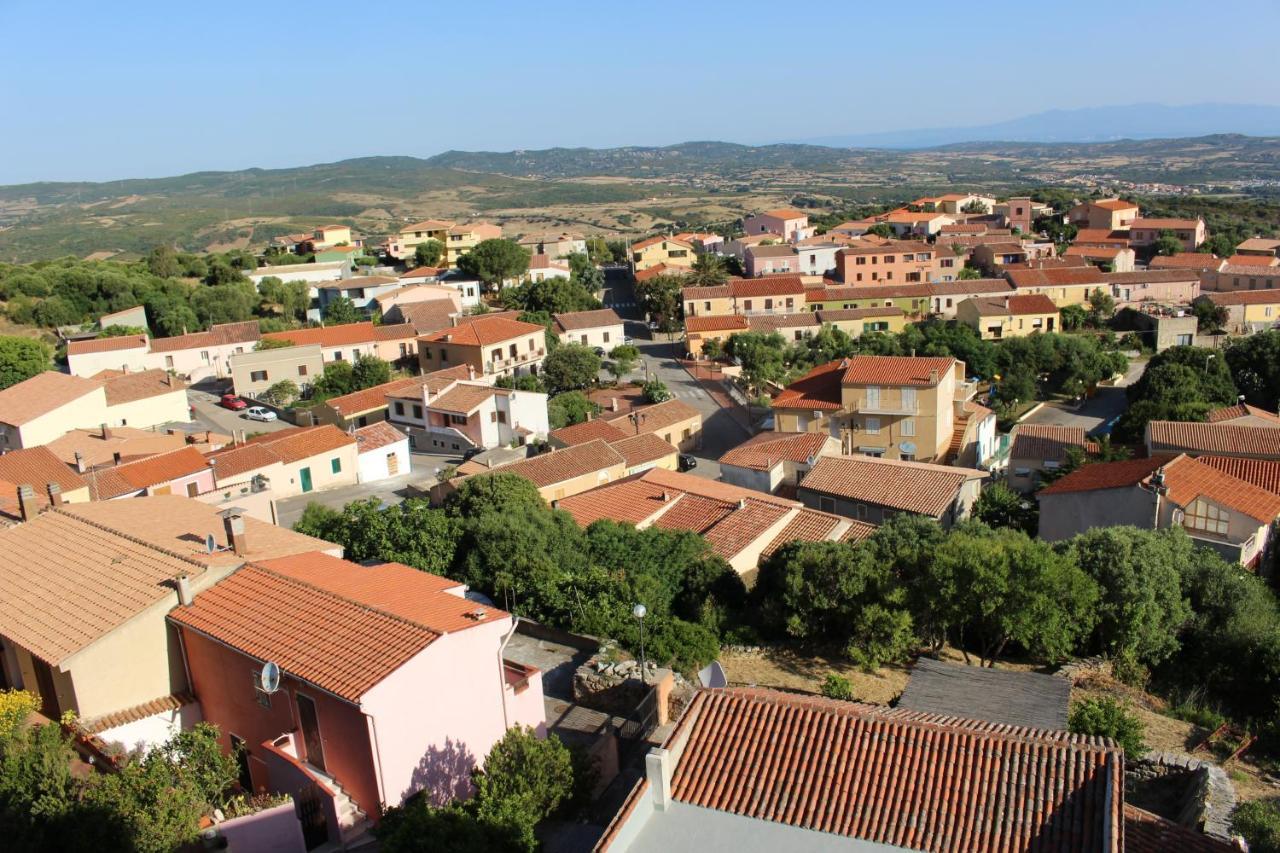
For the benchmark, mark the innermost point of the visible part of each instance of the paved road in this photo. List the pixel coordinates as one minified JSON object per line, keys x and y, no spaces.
{"x":620,"y":294}
{"x":422,"y":471}
{"x":225,"y":421}
{"x":1109,"y":403}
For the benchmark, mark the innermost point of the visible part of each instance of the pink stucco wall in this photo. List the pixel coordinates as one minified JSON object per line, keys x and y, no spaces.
{"x":274,"y":830}
{"x":439,"y":714}
{"x":202,"y":478}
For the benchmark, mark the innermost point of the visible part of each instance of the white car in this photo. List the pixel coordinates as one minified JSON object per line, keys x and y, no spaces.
{"x":257,"y":413}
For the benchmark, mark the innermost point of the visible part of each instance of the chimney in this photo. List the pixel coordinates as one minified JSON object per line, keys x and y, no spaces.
{"x":55,"y":494}
{"x":233,"y":521}
{"x":471,"y":371}
{"x":27,"y":502}
{"x":183,"y":584}
{"x":657,"y":769}
{"x":115,"y":458}
{"x":80,"y":466}
{"x":106,"y":432}
{"x":168,"y":379}
{"x":1006,"y":303}
{"x":933,"y":376}
{"x":742,"y":503}
{"x":613,"y":404}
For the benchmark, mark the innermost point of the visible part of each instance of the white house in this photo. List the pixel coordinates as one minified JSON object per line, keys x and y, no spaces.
{"x":310,"y":273}
{"x":817,"y":259}
{"x":543,"y":267}
{"x":466,"y":414}
{"x":602,"y":328}
{"x":382,"y":452}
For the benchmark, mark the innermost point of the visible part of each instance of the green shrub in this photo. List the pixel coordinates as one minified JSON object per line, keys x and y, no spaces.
{"x":1259,"y":823}
{"x":880,"y":635}
{"x":1108,"y":718}
{"x":836,"y":686}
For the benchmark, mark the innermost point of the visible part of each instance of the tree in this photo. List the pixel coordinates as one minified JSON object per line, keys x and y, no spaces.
{"x":1210,"y":318}
{"x":551,"y":295}
{"x":1105,"y":717}
{"x":708,"y":271}
{"x":411,"y":532}
{"x":1141,"y":608}
{"x":1182,"y":383}
{"x":968,"y":274}
{"x":1101,"y":307}
{"x":761,"y":357}
{"x":22,"y":358}
{"x":233,"y":302}
{"x":1001,"y":506}
{"x":836,"y":686}
{"x":1017,"y":385}
{"x":598,"y":251}
{"x":623,"y":360}
{"x":571,"y":407}
{"x":1168,"y":243}
{"x":292,"y":298}
{"x":584,"y":273}
{"x":571,"y":366}
{"x":881,"y":229}
{"x":162,"y":261}
{"x":368,"y":371}
{"x":281,"y":393}
{"x":1255,"y":367}
{"x":337,"y":379}
{"x":975,"y":206}
{"x":495,"y":261}
{"x":1073,"y":317}
{"x":428,"y":253}
{"x":272,"y":343}
{"x":524,"y":780}
{"x":1259,"y":822}
{"x":493,"y":493}
{"x":341,"y":311}
{"x":660,"y":298}
{"x":655,"y":391}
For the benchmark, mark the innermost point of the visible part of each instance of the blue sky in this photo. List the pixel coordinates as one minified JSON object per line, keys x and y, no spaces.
{"x":90,"y":91}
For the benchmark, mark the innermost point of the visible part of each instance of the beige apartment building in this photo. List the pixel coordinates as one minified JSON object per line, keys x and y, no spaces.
{"x":895,"y":407}
{"x":494,"y":346}
{"x":895,"y":262}
{"x":252,"y":373}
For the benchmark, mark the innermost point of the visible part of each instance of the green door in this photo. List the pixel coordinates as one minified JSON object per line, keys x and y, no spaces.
{"x":306,"y":479}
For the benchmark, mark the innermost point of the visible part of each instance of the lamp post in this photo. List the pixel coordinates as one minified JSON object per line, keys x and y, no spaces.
{"x":640,"y":611}
{"x":1208,"y":358}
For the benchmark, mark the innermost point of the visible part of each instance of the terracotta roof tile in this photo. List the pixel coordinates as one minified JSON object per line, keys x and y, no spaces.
{"x":818,"y":389}
{"x":1114,"y":204}
{"x":220,"y":335}
{"x":970,"y":287}
{"x":909,"y":779}
{"x":1105,"y":475}
{"x":396,"y":331}
{"x":907,"y":486}
{"x":172,"y":702}
{"x":326,"y":336}
{"x":484,"y":331}
{"x":718,"y":291}
{"x":1172,"y":224}
{"x":836,"y":315}
{"x":1145,"y":832}
{"x":41,"y":394}
{"x":121,"y":342}
{"x":743,"y":526}
{"x":140,"y":386}
{"x":1027,"y":303}
{"x":561,"y":465}
{"x":37,"y":467}
{"x":640,"y":449}
{"x":858,"y":531}
{"x":629,"y":501}
{"x":376,"y":436}
{"x":716,"y":323}
{"x":372,"y":399}
{"x":1186,"y":260}
{"x":573,"y":320}
{"x":1241,"y":410}
{"x":657,"y":417}
{"x":856,"y":292}
{"x":588,"y":431}
{"x":335,"y":643}
{"x":807,"y":525}
{"x":653,"y":241}
{"x":464,"y":397}
{"x":770,"y":285}
{"x":1225,"y":439}
{"x":1045,"y":442}
{"x":767,"y":323}
{"x":430,"y":315}
{"x":1246,"y":297}
{"x":1187,"y":479}
{"x":1055,"y":277}
{"x":695,"y":513}
{"x":1152,"y":276}
{"x":767,"y":449}
{"x":240,"y":459}
{"x":294,"y":445}
{"x":897,"y":370}
{"x":146,"y":473}
{"x":1263,"y":473}
{"x":786,"y":213}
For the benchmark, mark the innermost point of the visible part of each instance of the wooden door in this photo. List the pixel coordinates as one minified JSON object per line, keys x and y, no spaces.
{"x":45,"y":687}
{"x":393,"y":464}
{"x":310,"y":724}
{"x":305,"y":475}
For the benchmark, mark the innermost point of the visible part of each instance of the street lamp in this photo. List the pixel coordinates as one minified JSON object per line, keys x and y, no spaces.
{"x":640,"y":611}
{"x":636,"y":419}
{"x":1208,"y":358}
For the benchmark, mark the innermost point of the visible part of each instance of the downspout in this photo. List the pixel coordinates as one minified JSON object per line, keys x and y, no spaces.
{"x":502,"y":671}
{"x":377,"y":753}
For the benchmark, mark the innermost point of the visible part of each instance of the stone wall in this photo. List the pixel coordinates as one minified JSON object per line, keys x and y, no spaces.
{"x":1197,"y":793}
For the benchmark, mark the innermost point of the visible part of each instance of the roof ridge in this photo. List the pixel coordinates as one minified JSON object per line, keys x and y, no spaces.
{"x":128,"y":537}
{"x":334,"y":595}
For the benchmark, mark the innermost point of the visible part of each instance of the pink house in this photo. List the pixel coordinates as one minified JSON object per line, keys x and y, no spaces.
{"x":390,"y":681}
{"x":178,"y":472}
{"x":772,"y":260}
{"x":1167,"y":287}
{"x":790,"y":225}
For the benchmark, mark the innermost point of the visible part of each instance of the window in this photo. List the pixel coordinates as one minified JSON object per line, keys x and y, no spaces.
{"x":302,"y":370}
{"x":688,"y":433}
{"x":582,"y":339}
{"x":514,"y":350}
{"x":909,"y":399}
{"x":257,"y":376}
{"x":948,"y":301}
{"x":496,"y":355}
{"x":457,"y":419}
{"x":168,"y":362}
{"x":907,"y":457}
{"x":706,"y":306}
{"x":337,"y":355}
{"x":860,"y":510}
{"x":192,"y":490}
{"x":605,"y":337}
{"x":909,"y":426}
{"x":335,"y":465}
{"x":399,"y":408}
{"x":417,"y":412}
{"x":404,"y":350}
{"x":204,"y":356}
{"x":827,"y":504}
{"x":426,"y":353}
{"x":502,"y":417}
{"x":768,"y":305}
{"x":873,"y":426}
{"x":746,"y":305}
{"x":1204,"y":516}
{"x":861,"y":260}
{"x":873,"y":397}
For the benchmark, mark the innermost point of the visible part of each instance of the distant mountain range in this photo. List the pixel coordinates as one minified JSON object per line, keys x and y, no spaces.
{"x":1092,"y":124}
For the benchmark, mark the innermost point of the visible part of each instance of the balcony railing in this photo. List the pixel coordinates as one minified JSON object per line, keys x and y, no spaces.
{"x":886,"y":407}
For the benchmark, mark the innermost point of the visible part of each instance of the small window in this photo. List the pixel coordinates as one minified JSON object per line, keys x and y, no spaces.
{"x":417,"y":412}
{"x":335,"y":465}
{"x":827,"y":504}
{"x":502,"y":417}
{"x":302,"y":370}
{"x":257,"y":376}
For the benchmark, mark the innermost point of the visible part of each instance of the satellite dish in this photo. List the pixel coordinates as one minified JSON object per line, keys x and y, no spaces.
{"x":269,"y":678}
{"x":712,"y":675}
{"x":210,"y":544}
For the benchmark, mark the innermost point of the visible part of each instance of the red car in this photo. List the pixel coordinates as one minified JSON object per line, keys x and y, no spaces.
{"x":232,"y":402}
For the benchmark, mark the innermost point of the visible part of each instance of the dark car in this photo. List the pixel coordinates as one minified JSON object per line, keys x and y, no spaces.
{"x":471,"y":452}
{"x":687,"y":462}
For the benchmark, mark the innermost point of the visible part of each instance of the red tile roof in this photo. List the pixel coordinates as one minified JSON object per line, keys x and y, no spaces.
{"x":897,"y":370}
{"x":240,"y":459}
{"x":1114,"y":204}
{"x":465,"y":397}
{"x":1021,"y":304}
{"x":127,"y":387}
{"x":1186,"y":260}
{"x":41,"y":394}
{"x":336,"y":643}
{"x":906,"y":486}
{"x":1172,"y":224}
{"x":574,"y":320}
{"x":294,"y":445}
{"x":376,"y":436}
{"x":588,"y":431}
{"x":371,"y":399}
{"x":640,"y":449}
{"x":853,"y":292}
{"x":224,"y":334}
{"x":1225,"y":439}
{"x":1241,"y":410}
{"x":146,"y":473}
{"x":1106,"y":475}
{"x":1045,"y":442}
{"x":743,"y":526}
{"x":695,"y":513}
{"x":561,"y":465}
{"x":629,"y":501}
{"x":716,"y":323}
{"x":808,"y":525}
{"x":785,"y":213}
{"x":909,"y":779}
{"x":657,"y":417}
{"x":1187,"y":479}
{"x":1245,"y":297}
{"x":1055,"y":277}
{"x":653,"y":241}
{"x":326,"y":336}
{"x":115,"y":344}
{"x":1145,"y":832}
{"x":767,"y":449}
{"x":772,"y":285}
{"x":1263,"y":473}
{"x":484,"y":331}
{"x":717,"y":291}
{"x":818,"y":389}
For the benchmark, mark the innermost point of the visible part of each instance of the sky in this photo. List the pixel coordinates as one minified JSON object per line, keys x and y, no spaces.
{"x":104,"y":91}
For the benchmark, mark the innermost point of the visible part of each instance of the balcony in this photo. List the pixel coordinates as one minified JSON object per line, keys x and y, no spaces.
{"x":887,"y":407}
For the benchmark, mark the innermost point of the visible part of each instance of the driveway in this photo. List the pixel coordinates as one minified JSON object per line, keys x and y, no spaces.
{"x":393,"y":490}
{"x":214,"y":417}
{"x":1106,"y":405}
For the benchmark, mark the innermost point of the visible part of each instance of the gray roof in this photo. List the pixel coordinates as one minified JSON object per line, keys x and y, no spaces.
{"x":993,"y":695}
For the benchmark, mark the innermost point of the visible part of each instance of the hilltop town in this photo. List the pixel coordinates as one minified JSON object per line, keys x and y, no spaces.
{"x":950,"y":526}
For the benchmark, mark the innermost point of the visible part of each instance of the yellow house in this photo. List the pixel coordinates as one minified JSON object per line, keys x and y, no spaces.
{"x":1064,"y":285}
{"x":714,"y":301}
{"x":858,"y":321}
{"x":332,"y":235}
{"x":661,"y":250}
{"x":896,"y":407}
{"x":1247,"y":310}
{"x":699,"y":330}
{"x":410,"y":236}
{"x":461,"y":239}
{"x":997,"y":317}
{"x":909,"y":298}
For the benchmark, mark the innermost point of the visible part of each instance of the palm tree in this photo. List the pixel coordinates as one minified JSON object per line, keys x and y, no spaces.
{"x":708,"y":271}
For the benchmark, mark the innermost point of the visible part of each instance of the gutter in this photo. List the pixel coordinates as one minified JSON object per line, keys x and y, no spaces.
{"x":502,"y":672}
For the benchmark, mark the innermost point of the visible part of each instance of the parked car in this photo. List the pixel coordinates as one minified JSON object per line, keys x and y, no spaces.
{"x":599,"y":351}
{"x":471,"y":452}
{"x":258,"y":413}
{"x":232,"y":402}
{"x":687,"y":462}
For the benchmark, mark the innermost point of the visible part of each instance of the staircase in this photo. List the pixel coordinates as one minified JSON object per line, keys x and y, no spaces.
{"x":353,"y":824}
{"x":957,"y":441}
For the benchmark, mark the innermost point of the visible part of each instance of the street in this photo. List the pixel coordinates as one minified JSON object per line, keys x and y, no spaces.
{"x":204,"y":400}
{"x":1107,"y":404}
{"x":422,"y":473}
